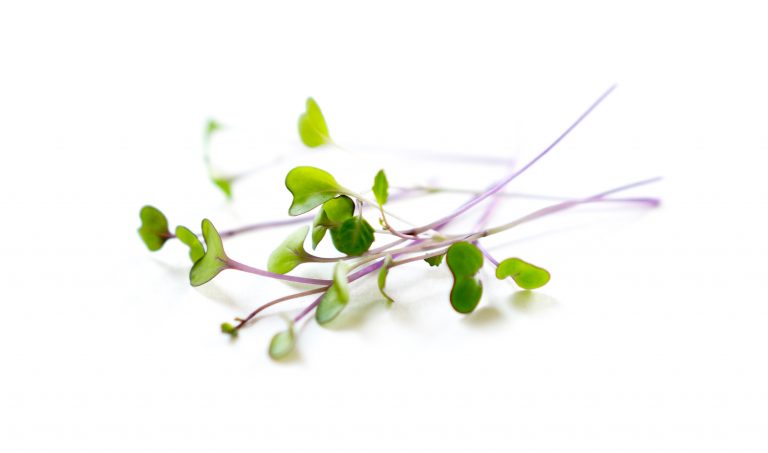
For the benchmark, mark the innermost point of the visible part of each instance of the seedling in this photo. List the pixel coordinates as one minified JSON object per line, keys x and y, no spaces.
{"x":341,"y":212}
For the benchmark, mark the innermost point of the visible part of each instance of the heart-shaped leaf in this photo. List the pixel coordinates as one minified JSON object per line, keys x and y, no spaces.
{"x":334,"y":212}
{"x":354,"y":237}
{"x":282,"y":343}
{"x":336,"y":298}
{"x":312,"y":128}
{"x":196,"y":250}
{"x":465,"y":260}
{"x":382,"y":278}
{"x":381,"y":187}
{"x":290,"y":253}
{"x":213,"y":261}
{"x":526,"y":275}
{"x":310,"y":188}
{"x":154,"y":228}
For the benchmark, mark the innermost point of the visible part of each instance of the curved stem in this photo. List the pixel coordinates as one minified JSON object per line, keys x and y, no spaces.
{"x":232,"y":264}
{"x":277,"y":301}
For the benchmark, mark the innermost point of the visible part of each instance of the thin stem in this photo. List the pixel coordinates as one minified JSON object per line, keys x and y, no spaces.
{"x":486,"y":253}
{"x":277,"y":301}
{"x":500,"y":185}
{"x":232,"y":264}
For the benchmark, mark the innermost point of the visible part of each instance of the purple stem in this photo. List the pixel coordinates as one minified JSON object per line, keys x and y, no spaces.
{"x":232,"y":264}
{"x":500,"y":185}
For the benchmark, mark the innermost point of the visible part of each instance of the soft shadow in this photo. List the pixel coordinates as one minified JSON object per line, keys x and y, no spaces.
{"x":354,"y":317}
{"x":530,"y":302}
{"x":215,"y":293}
{"x":483,"y":317}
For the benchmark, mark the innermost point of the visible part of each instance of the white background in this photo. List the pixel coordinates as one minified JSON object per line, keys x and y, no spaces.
{"x":650,"y":337}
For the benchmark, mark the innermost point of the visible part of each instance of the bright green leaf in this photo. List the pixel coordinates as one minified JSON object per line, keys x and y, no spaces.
{"x":382,"y":280}
{"x":526,"y":275}
{"x":310,"y":187}
{"x":312,"y":128}
{"x":210,"y":127}
{"x":196,"y":250}
{"x":333,"y":213}
{"x":228,"y":329}
{"x":434,"y":261}
{"x":336,"y":298}
{"x":339,"y":209}
{"x":214,"y":260}
{"x":465,"y":294}
{"x":381,"y":187}
{"x":225,"y":184}
{"x":354,"y":237}
{"x":154,"y":228}
{"x":282,"y":343}
{"x":290,"y":253}
{"x":465,"y":260}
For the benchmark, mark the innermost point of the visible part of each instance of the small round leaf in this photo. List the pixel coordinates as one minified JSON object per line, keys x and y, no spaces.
{"x":186,"y":236}
{"x":526,"y":275}
{"x":154,"y":228}
{"x":336,"y":298}
{"x":310,"y":188}
{"x":282,"y":343}
{"x":290,"y":253}
{"x":354,"y":237}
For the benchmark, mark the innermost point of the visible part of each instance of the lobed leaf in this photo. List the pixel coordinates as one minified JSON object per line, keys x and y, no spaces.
{"x":290,"y":253}
{"x":154,"y":228}
{"x":381,"y":187}
{"x":312,"y":127}
{"x":382,"y":278}
{"x":336,"y":297}
{"x":465,"y":260}
{"x":186,"y":236}
{"x":282,"y":343}
{"x":213,"y":261}
{"x":310,"y":188}
{"x":354,"y":237}
{"x":334,"y":212}
{"x":526,"y":275}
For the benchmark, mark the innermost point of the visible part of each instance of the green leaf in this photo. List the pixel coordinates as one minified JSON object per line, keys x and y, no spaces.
{"x":354,"y":237}
{"x":465,"y":294}
{"x":336,"y":298}
{"x":339,"y":209}
{"x":225,"y":184}
{"x":381,"y":187}
{"x":186,"y":236}
{"x":282,"y":343}
{"x":228,"y":329}
{"x":290,"y":253}
{"x":434,"y":261}
{"x":382,"y":280}
{"x":465,"y":260}
{"x":310,"y":188}
{"x":214,"y":260}
{"x":210,"y":127}
{"x":333,"y":213}
{"x":154,"y":228}
{"x":526,"y":275}
{"x":312,"y":128}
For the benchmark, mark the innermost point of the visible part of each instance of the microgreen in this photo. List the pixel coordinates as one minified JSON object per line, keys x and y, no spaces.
{"x":282,"y":343}
{"x":526,"y":275}
{"x":154,"y":228}
{"x":187,"y":237}
{"x":354,"y":237}
{"x":336,"y":298}
{"x":290,"y":253}
{"x":465,"y":260}
{"x":381,"y":188}
{"x":228,"y":329}
{"x":341,"y":212}
{"x":312,"y":128}
{"x":213,"y":261}
{"x":310,"y":188}
{"x":382,"y":278}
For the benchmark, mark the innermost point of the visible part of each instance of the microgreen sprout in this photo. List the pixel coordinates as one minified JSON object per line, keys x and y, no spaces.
{"x":345,"y":214}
